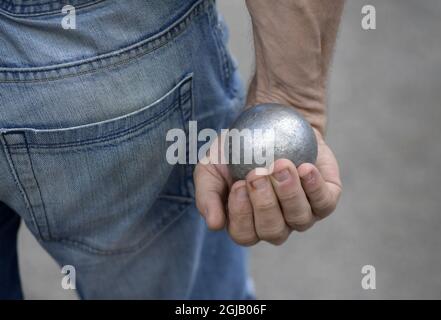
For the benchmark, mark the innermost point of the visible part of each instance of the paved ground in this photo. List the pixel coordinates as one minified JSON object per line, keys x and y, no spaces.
{"x":385,"y":114}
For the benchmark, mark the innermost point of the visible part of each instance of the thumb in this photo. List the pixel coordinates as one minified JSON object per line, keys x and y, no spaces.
{"x":211,"y":191}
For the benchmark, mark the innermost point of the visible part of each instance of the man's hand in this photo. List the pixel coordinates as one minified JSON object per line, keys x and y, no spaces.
{"x":268,"y":207}
{"x":293,"y":41}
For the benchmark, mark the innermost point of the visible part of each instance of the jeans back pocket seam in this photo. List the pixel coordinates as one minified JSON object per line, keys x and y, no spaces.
{"x":102,"y":142}
{"x":31,"y":192}
{"x":185,"y":97}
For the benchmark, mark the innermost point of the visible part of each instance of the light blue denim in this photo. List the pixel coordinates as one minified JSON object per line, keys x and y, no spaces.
{"x":83,"y":120}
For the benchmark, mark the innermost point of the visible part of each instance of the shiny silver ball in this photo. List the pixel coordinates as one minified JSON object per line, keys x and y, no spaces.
{"x":293,"y":137}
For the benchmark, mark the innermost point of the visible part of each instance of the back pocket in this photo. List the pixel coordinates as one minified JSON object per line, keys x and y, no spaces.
{"x":92,"y":186}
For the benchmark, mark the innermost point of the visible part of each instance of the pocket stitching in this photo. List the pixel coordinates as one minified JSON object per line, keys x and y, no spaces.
{"x":14,"y":172}
{"x":48,"y":235}
{"x":124,"y":55}
{"x":106,"y":138}
{"x":222,"y":51}
{"x":97,"y":145}
{"x":35,"y":12}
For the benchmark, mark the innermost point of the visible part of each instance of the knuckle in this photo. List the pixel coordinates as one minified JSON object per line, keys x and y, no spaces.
{"x":265,"y":205}
{"x":271,"y":233}
{"x":277,"y":240}
{"x":242,"y":219}
{"x":270,"y":223}
{"x":289,"y":198}
{"x":324,"y":211}
{"x":301,"y":220}
{"x":303,"y":228}
{"x":244,"y":239}
{"x":317,"y":194}
{"x":244,"y":209}
{"x":242,"y":236}
{"x":324,"y":207}
{"x":240,"y":211}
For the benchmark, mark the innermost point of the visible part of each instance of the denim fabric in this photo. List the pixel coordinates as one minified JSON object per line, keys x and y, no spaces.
{"x":83,"y":118}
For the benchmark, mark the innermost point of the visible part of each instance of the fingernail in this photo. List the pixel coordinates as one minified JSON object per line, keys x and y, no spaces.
{"x":259,"y":183}
{"x":281,"y":175}
{"x":242,"y":193}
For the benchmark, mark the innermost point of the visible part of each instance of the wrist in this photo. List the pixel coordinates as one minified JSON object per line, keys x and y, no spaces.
{"x":310,"y":103}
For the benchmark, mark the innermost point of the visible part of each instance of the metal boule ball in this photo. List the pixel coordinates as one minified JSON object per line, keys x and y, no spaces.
{"x":293,"y":138}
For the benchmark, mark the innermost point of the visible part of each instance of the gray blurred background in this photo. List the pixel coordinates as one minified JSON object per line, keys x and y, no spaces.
{"x":384,"y":126}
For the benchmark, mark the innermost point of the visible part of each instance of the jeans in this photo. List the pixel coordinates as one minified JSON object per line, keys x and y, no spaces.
{"x":84,"y":115}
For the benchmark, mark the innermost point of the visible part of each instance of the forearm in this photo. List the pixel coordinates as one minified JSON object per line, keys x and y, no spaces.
{"x":294,"y":41}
